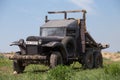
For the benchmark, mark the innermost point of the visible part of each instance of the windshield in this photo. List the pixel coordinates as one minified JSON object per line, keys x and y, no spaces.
{"x":50,"y":31}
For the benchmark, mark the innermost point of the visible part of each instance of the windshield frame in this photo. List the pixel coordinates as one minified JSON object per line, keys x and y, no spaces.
{"x":41,"y":31}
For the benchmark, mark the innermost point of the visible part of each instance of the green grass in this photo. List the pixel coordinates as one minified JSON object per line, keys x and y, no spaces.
{"x":111,"y":71}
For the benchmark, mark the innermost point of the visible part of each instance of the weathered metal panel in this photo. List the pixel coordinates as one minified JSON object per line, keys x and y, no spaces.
{"x":59,"y":23}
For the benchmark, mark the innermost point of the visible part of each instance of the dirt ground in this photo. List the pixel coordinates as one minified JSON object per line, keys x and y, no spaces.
{"x":111,"y":56}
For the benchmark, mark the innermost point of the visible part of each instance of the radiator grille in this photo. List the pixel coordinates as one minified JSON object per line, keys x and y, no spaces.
{"x":32,"y":49}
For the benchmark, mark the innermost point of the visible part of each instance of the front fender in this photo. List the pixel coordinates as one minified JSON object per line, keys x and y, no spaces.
{"x":14,"y":43}
{"x":59,"y":47}
{"x":21,"y":44}
{"x":51,"y":44}
{"x":18,"y":43}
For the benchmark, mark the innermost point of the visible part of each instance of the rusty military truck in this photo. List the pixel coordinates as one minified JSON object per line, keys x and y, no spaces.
{"x":61,"y":42}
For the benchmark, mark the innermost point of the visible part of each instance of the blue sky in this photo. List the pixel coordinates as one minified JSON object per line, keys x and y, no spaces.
{"x":22,"y":18}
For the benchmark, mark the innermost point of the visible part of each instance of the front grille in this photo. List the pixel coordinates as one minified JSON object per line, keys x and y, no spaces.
{"x":31,"y":49}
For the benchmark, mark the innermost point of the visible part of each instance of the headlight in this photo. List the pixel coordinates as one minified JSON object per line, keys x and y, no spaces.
{"x":40,"y":41}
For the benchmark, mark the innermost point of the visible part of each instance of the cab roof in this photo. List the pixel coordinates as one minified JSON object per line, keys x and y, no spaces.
{"x":60,"y":23}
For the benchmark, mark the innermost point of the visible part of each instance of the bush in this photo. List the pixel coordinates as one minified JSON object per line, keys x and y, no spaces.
{"x":113,"y":69}
{"x":60,"y":73}
{"x":1,"y":57}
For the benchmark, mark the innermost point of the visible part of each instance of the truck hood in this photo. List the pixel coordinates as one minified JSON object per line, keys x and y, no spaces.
{"x":45,"y":40}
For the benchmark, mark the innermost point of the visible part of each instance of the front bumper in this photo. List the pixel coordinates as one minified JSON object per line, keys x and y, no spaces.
{"x":27,"y":57}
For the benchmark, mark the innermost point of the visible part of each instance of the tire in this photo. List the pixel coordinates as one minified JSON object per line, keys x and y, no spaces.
{"x":69,"y":44}
{"x":88,"y":60}
{"x":55,"y":59}
{"x":18,"y":66}
{"x":98,"y":60}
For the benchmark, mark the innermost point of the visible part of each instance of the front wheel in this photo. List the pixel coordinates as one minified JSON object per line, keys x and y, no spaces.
{"x":55,"y":59}
{"x":18,"y":66}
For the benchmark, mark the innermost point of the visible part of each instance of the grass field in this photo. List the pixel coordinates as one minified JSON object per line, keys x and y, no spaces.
{"x":110,"y":71}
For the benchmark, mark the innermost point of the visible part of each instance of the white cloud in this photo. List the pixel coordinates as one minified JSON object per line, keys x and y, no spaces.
{"x":85,"y":4}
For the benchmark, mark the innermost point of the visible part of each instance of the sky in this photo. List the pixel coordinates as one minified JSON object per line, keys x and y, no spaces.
{"x":22,"y":18}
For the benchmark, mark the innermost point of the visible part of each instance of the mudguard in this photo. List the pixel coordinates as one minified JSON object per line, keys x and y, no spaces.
{"x":21,"y":44}
{"x":59,"y":46}
{"x":51,"y":44}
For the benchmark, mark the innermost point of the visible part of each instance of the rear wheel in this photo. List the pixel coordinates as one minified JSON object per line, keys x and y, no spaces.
{"x":18,"y":66}
{"x":98,"y":60}
{"x":55,"y":59}
{"x":88,"y":60}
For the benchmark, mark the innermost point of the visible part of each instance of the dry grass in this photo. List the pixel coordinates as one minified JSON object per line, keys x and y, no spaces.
{"x":111,"y":56}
